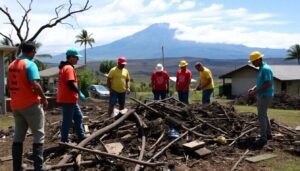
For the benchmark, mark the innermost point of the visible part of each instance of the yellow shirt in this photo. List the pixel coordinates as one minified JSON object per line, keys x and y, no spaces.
{"x":204,"y":76}
{"x":118,"y":79}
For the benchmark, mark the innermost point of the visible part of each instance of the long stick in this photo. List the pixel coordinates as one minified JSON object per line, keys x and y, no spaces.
{"x":242,"y":134}
{"x":241,"y":158}
{"x":172,"y":142}
{"x":114,"y":156}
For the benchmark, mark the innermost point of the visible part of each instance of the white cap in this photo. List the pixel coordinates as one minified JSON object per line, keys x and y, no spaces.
{"x":159,"y":68}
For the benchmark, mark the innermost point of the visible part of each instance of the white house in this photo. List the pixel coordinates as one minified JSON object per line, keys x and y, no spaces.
{"x":286,"y":79}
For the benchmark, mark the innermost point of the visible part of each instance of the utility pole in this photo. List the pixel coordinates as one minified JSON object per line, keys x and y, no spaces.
{"x":163,"y":55}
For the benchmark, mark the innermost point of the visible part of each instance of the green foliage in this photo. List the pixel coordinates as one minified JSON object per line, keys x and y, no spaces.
{"x":105,"y":66}
{"x":294,"y":53}
{"x":41,"y":66}
{"x":171,"y":91}
{"x":85,"y":78}
{"x":85,"y":38}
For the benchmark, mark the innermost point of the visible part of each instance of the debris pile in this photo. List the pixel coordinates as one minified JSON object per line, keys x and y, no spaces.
{"x":280,"y":101}
{"x":164,"y":134}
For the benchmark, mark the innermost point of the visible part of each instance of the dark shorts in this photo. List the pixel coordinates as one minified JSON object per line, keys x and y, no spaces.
{"x":116,"y":97}
{"x":206,"y":94}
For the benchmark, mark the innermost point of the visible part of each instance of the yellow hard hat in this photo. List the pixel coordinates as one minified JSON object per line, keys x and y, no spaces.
{"x":255,"y":55}
{"x":183,"y":63}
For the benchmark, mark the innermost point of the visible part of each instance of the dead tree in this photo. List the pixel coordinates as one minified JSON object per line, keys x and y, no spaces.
{"x":22,"y":29}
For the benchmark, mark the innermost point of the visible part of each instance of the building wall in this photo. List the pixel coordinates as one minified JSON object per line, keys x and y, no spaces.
{"x":242,"y":81}
{"x":293,"y":88}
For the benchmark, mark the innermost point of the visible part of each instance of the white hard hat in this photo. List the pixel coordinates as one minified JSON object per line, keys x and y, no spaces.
{"x":159,"y":67}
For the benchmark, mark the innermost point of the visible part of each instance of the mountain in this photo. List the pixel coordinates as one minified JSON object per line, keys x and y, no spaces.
{"x":147,"y":44}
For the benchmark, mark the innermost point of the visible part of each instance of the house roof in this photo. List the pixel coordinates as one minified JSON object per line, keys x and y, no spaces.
{"x":7,"y":49}
{"x":280,"y":72}
{"x":53,"y":71}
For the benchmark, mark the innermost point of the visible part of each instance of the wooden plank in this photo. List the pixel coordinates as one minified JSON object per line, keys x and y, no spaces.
{"x":260,"y":157}
{"x":203,"y":152}
{"x":7,"y":158}
{"x":194,"y":144}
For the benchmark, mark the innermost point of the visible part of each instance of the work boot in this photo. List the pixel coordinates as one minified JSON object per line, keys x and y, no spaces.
{"x":38,"y":156}
{"x":269,"y":137}
{"x":17,"y":151}
{"x":260,"y":143}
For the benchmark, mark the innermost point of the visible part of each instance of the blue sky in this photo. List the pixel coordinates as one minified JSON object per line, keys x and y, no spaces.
{"x":254,"y":23}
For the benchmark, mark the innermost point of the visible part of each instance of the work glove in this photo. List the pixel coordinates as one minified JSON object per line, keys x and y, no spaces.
{"x":81,"y":96}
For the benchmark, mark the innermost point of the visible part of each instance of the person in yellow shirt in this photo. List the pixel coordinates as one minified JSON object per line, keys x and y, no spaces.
{"x":206,"y":83}
{"x":118,"y":82}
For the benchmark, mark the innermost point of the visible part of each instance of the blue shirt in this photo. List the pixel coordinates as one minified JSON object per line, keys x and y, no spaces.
{"x":265,"y":74}
{"x":32,"y":71}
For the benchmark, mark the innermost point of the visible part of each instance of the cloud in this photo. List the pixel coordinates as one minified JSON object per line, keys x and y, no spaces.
{"x":187,"y":5}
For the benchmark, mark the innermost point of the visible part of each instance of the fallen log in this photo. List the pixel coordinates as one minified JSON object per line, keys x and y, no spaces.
{"x":242,"y":134}
{"x":114,"y":156}
{"x":67,"y":157}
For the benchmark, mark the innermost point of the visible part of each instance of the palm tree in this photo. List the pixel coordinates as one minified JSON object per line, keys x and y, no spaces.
{"x":294,"y":53}
{"x":85,"y":38}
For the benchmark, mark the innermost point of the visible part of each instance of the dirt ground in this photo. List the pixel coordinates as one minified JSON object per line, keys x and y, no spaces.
{"x":222,"y":158}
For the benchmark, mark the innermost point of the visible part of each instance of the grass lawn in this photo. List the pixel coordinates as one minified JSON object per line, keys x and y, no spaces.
{"x":6,"y":121}
{"x":287,"y":117}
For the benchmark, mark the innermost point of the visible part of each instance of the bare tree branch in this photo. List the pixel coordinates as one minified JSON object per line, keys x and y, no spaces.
{"x":8,"y":38}
{"x":25,"y":17}
{"x":60,"y":19}
{"x":57,"y":11}
{"x":12,"y":22}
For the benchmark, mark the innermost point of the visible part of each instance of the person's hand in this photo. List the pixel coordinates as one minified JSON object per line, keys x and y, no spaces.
{"x":128,"y":91}
{"x":81,"y":96}
{"x":44,"y":102}
{"x":251,"y":92}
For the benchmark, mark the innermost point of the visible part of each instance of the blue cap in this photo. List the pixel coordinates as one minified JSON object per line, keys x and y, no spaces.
{"x":73,"y":52}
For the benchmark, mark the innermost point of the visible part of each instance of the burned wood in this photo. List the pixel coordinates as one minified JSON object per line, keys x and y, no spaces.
{"x":212,"y":126}
{"x":114,"y":156}
{"x":158,"y":140}
{"x":284,"y":127}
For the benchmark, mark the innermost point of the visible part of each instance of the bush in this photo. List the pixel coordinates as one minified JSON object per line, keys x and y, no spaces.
{"x":105,"y":66}
{"x":85,"y":78}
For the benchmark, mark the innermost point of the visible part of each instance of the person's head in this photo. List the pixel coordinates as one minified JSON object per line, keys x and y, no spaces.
{"x":256,"y":58}
{"x":28,"y":49}
{"x":121,"y":62}
{"x":199,"y":67}
{"x":72,"y":56}
{"x":159,"y":67}
{"x":183,"y":64}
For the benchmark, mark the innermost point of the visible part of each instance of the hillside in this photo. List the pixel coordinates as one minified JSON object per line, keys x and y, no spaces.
{"x":147,"y":43}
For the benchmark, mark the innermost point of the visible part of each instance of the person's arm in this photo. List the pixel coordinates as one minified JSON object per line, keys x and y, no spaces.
{"x":108,"y":83}
{"x":72,"y":86}
{"x":265,"y":86}
{"x":127,"y":86}
{"x":38,"y":89}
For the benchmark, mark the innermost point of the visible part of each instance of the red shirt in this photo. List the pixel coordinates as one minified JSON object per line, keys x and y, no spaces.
{"x":160,"y":80}
{"x":183,"y":79}
{"x":21,"y":91}
{"x":64,"y":93}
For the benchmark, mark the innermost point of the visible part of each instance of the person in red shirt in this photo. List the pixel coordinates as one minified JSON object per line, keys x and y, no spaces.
{"x":26,"y":96}
{"x":183,"y":80}
{"x":160,"y":82}
{"x":67,"y":96}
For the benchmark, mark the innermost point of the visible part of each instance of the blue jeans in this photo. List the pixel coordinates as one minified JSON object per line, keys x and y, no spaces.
{"x":183,"y":96}
{"x":206,"y":95}
{"x":159,"y":93}
{"x":71,"y":111}
{"x":116,"y":97}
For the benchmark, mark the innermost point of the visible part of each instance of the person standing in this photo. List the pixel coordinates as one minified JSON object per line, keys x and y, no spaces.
{"x":118,"y":82}
{"x":206,"y":83}
{"x":160,"y":82}
{"x":67,"y":96}
{"x":183,"y":81}
{"x":26,"y":96}
{"x":264,"y":91}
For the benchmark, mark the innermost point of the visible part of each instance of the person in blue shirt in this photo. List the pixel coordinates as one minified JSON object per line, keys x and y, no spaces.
{"x":264,"y":91}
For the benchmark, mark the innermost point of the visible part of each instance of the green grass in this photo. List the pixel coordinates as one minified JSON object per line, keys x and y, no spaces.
{"x":6,"y":121}
{"x":288,"y":117}
{"x":283,"y":161}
